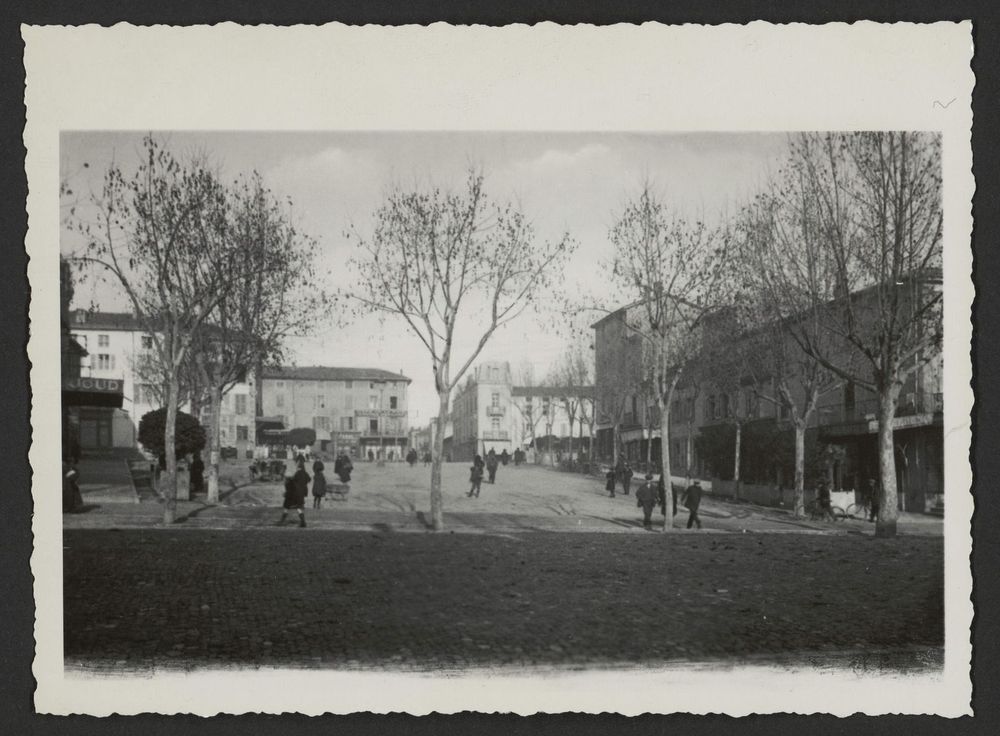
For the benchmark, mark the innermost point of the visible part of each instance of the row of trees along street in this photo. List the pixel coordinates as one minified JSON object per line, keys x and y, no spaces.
{"x":215,"y":272}
{"x":830,"y":274}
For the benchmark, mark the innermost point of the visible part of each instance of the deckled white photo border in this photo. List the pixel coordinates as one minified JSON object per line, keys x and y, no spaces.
{"x":619,"y":78}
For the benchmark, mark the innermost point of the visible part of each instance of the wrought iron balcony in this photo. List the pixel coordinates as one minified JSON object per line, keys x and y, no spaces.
{"x":495,"y":411}
{"x":488,"y":434}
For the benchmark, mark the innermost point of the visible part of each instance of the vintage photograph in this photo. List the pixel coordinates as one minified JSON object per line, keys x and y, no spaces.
{"x":500,"y":406}
{"x":282,"y":351}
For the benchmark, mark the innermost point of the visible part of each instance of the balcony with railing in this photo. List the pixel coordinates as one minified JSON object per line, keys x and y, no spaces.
{"x":495,"y":411}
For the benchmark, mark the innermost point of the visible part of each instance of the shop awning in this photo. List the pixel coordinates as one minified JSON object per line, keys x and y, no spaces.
{"x":104,"y":392}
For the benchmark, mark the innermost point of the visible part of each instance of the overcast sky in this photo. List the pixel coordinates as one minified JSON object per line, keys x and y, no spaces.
{"x":572,"y":183}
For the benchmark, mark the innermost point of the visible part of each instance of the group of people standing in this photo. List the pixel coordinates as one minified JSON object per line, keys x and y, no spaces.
{"x":297,"y":485}
{"x":652,"y":493}
{"x":488,"y":467}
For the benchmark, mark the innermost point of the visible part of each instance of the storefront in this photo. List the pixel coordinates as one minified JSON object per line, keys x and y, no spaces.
{"x":93,"y":418}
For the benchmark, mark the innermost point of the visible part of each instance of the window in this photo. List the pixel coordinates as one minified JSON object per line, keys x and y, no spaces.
{"x":320,"y":402}
{"x":725,"y":406}
{"x":373,"y":402}
{"x":710,"y":408}
{"x":371,"y":385}
{"x":146,"y":341}
{"x":495,"y":398}
{"x":347,"y":424}
{"x":392,"y":402}
{"x":105,"y":362}
{"x":103,"y":341}
{"x":279,"y":400}
{"x":348,"y":384}
{"x":349,"y":402}
{"x":279,"y":384}
{"x":373,"y":425}
{"x":321,"y":422}
{"x":241,"y":403}
{"x":241,"y":432}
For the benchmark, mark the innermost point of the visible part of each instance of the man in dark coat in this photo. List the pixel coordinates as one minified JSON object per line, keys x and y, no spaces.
{"x":342,"y":468}
{"x":626,"y":478}
{"x":692,"y":500}
{"x":492,"y":463}
{"x":645,"y":497}
{"x":504,"y":457}
{"x":609,"y":484}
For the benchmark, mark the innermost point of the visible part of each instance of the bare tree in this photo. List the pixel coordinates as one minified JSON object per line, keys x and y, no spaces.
{"x":163,"y":235}
{"x":857,"y":221}
{"x":672,"y":269}
{"x":434,"y":257}
{"x":270,"y":294}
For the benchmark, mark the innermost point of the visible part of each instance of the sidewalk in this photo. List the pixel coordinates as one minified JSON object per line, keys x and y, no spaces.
{"x":717,"y":518}
{"x":106,"y":480}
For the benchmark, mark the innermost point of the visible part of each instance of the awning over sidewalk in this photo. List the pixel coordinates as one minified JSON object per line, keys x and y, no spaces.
{"x":105,"y":392}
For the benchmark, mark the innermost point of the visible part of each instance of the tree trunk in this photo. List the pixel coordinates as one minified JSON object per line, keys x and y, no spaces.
{"x":614,"y":446}
{"x":214,"y":443}
{"x":736,"y":461}
{"x":437,"y":508}
{"x":800,"y":465}
{"x":169,"y":485}
{"x":664,"y":402}
{"x":888,"y":509}
{"x":571,"y":440}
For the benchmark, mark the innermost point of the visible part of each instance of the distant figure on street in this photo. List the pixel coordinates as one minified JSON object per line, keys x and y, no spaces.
{"x":296,"y":489}
{"x":319,"y":484}
{"x":645,"y":497}
{"x":492,"y":463}
{"x":427,"y":458}
{"x":625,"y":476}
{"x":411,"y":457}
{"x":72,"y":499}
{"x":609,"y":485}
{"x":371,"y":456}
{"x":197,"y":474}
{"x":342,"y":468}
{"x":518,"y":457}
{"x":504,"y":457}
{"x":476,"y":476}
{"x":692,"y":500}
{"x":873,"y":500}
{"x":661,"y":495}
{"x":823,"y":501}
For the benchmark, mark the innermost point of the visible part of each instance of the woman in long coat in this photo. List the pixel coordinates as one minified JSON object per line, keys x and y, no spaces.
{"x":319,"y":484}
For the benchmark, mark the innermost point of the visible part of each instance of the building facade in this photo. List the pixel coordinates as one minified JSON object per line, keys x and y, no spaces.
{"x":120,"y":351}
{"x":362,"y":411}
{"x":488,"y":413}
{"x":841,"y":438}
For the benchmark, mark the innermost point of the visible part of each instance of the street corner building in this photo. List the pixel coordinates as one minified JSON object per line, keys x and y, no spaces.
{"x":360,"y":411}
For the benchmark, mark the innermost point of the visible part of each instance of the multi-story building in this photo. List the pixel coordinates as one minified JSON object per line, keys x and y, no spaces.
{"x":841,"y":438}
{"x":120,"y":350}
{"x":481,"y":412}
{"x":362,"y":411}
{"x":488,"y":413}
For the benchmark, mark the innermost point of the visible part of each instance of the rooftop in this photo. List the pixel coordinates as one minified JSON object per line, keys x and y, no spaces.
{"x":331,"y":373}
{"x":84,"y":319}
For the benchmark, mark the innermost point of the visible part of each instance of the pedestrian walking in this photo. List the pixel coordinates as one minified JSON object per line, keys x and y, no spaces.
{"x":873,"y":502}
{"x":504,"y":457}
{"x":626,"y":477}
{"x":319,"y":484}
{"x":476,"y":476}
{"x":492,"y":464}
{"x":411,"y":457}
{"x":296,"y":488}
{"x":645,"y":497}
{"x":609,"y":484}
{"x":692,"y":500}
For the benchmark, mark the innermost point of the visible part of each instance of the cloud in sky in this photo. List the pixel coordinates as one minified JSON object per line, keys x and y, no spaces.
{"x":565,"y":182}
